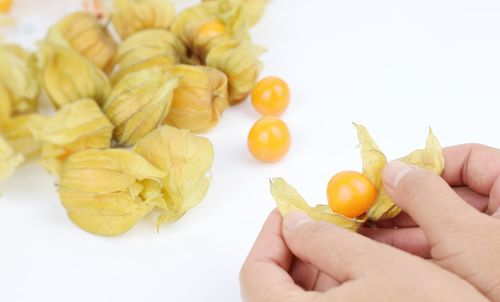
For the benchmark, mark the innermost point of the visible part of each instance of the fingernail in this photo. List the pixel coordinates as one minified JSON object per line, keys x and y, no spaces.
{"x":394,"y":171}
{"x":295,"y":219}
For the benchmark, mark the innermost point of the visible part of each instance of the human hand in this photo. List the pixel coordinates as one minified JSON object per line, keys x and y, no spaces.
{"x":458,"y":228}
{"x":303,"y":260}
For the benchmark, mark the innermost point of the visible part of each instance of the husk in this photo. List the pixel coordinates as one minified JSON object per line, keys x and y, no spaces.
{"x":131,"y":16}
{"x":186,"y":160}
{"x":66,"y":76}
{"x":106,"y":192}
{"x":139,"y":103}
{"x":431,"y":158}
{"x":76,"y":127}
{"x":240,"y":62}
{"x":199,"y":100}
{"x":255,"y":9}
{"x":82,"y":32}
{"x":9,"y":160}
{"x":18,"y":78}
{"x":289,"y":200}
{"x":146,"y":49}
{"x":230,"y":13}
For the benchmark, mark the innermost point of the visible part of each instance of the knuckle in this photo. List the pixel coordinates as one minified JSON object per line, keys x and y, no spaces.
{"x":416,"y":184}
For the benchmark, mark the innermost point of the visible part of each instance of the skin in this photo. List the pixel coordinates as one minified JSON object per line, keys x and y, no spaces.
{"x":451,"y":220}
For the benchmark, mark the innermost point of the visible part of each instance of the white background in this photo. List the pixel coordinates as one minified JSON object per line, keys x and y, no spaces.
{"x":397,"y":67}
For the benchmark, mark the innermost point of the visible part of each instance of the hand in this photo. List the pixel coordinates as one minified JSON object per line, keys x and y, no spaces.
{"x":458,"y":228}
{"x":316,"y":261}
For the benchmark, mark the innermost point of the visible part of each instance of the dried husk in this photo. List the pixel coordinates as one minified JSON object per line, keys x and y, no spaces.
{"x":200,"y":98}
{"x":19,"y":131}
{"x":139,"y":103}
{"x":230,"y":13}
{"x":106,"y":192}
{"x":82,"y":32}
{"x":9,"y":160}
{"x":76,"y":127}
{"x":240,"y":62}
{"x":255,"y":9}
{"x":67,"y":76}
{"x":5,"y":104}
{"x":431,"y":158}
{"x":289,"y":200}
{"x":18,"y":77}
{"x":186,"y":160}
{"x":131,"y":16}
{"x":146,"y":49}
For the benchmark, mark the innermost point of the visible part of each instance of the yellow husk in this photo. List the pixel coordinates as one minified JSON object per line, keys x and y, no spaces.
{"x":139,"y":103}
{"x":5,"y":104}
{"x":199,"y":100}
{"x":230,"y":13}
{"x":18,"y":77}
{"x":255,"y":9}
{"x":240,"y":62}
{"x":131,"y":16}
{"x":106,"y":192}
{"x":76,"y":127}
{"x":147,"y":49}
{"x":67,"y":76}
{"x":289,"y":200}
{"x":82,"y":32}
{"x":9,"y":160}
{"x":19,"y":132}
{"x":431,"y":158}
{"x":186,"y":160}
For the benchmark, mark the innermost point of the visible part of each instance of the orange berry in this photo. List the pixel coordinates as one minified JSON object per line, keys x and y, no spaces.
{"x":5,"y":6}
{"x":269,"y":139}
{"x":350,"y":194}
{"x":271,"y":96}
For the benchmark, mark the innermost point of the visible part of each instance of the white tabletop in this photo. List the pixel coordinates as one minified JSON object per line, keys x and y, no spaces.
{"x":397,"y":67}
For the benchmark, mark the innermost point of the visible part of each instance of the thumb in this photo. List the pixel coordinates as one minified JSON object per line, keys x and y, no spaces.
{"x":341,"y":254}
{"x":428,"y":199}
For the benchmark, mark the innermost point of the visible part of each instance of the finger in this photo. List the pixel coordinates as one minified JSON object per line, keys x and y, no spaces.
{"x":265,"y":272}
{"x":403,"y":220}
{"x":304,"y":274}
{"x":341,"y":254}
{"x":310,"y":277}
{"x":476,"y":200}
{"x":475,"y":166}
{"x":411,"y":240}
{"x":428,"y":199}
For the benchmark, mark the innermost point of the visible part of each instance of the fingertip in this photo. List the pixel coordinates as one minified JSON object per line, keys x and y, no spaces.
{"x":294,"y":220}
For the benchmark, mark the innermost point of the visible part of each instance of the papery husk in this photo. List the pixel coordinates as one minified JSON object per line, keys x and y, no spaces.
{"x":230,"y":13}
{"x":19,"y":131}
{"x":67,"y":76}
{"x":18,"y":77}
{"x":5,"y":104}
{"x":146,"y":49}
{"x":431,"y":158}
{"x":76,"y":127}
{"x":9,"y":160}
{"x":186,"y":160}
{"x":105,"y":192}
{"x":255,"y":9}
{"x":200,"y":98}
{"x":289,"y":200}
{"x":131,"y":16}
{"x":82,"y":32}
{"x":240,"y":62}
{"x":139,"y":103}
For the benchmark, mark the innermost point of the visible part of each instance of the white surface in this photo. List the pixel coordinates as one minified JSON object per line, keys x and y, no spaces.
{"x":395,"y":66}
